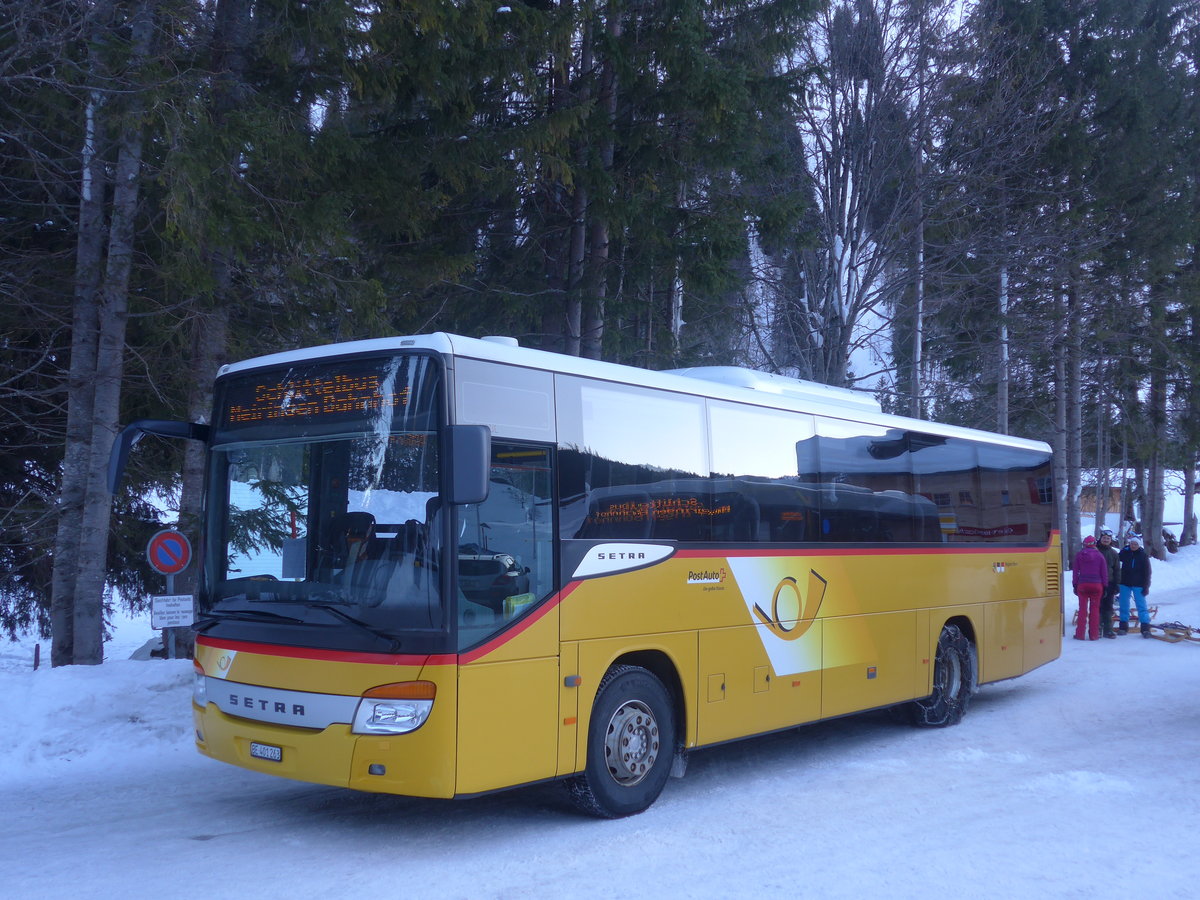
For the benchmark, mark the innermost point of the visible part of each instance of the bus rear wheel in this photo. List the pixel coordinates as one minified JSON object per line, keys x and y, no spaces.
{"x":630,"y":743}
{"x":953,"y":682}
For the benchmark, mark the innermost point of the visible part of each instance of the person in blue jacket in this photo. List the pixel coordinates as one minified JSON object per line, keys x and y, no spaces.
{"x":1135,"y":580}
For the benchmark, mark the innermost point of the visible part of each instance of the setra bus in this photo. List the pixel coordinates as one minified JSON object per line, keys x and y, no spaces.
{"x":440,"y":566}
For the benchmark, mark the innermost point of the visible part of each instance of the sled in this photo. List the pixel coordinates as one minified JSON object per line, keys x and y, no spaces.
{"x":1174,"y":632}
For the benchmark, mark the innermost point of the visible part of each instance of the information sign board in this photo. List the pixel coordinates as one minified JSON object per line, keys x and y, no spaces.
{"x":171,"y":611}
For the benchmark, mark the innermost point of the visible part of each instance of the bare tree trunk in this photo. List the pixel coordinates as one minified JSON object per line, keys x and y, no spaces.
{"x":560,"y":210}
{"x":1074,"y":406}
{"x":918,"y":347}
{"x":1059,"y":443}
{"x":88,"y":633}
{"x":1191,"y":444}
{"x":1003,"y":376}
{"x":1153,"y":525}
{"x":598,"y":237}
{"x":89,"y":264}
{"x":208,"y":354}
{"x":1103,"y":460}
{"x":1188,"y":535}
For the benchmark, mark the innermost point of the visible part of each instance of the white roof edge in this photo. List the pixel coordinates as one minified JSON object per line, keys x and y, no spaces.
{"x":809,"y":397}
{"x":770,"y":383}
{"x":438,"y":341}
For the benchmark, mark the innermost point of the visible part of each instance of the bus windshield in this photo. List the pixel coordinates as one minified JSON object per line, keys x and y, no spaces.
{"x":324,"y":512}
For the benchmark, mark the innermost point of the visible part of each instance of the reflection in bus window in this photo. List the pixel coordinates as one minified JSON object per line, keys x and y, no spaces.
{"x":332,"y":521}
{"x":505,"y":561}
{"x":786,"y":477}
{"x":768,"y":443}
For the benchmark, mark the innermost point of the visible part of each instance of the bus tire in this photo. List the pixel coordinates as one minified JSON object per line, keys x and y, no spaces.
{"x":630,"y":744}
{"x":953,"y":682}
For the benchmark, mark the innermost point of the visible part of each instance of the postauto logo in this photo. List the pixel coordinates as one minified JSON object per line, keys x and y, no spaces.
{"x":708,"y":576}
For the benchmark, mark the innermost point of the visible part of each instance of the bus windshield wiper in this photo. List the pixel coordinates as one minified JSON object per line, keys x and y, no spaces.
{"x":359,"y":624}
{"x":209,"y":619}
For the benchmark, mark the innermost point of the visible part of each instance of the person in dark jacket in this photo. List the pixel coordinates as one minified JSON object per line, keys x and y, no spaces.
{"x":1089,"y":575}
{"x":1109,"y":551}
{"x":1135,"y":580}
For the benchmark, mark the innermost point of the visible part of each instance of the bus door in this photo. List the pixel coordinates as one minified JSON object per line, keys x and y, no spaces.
{"x":507,"y":633}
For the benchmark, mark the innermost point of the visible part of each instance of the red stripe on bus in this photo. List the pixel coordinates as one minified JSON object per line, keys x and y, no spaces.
{"x":380,"y":659}
{"x":504,"y":637}
{"x":388,"y":659}
{"x":989,"y":549}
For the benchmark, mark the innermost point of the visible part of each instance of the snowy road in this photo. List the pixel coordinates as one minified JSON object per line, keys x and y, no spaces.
{"x":1080,"y":779}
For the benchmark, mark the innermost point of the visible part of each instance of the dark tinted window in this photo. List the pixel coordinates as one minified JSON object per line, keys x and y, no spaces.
{"x":867,"y":484}
{"x":634,"y":464}
{"x":784,"y":477}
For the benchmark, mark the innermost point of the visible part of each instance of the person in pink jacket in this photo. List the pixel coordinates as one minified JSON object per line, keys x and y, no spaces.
{"x":1089,"y":575}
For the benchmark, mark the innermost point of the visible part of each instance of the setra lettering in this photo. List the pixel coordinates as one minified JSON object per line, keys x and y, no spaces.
{"x":275,"y":706}
{"x":621,"y":555}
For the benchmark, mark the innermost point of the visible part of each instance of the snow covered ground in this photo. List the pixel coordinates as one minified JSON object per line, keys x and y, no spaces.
{"x":1080,"y":779}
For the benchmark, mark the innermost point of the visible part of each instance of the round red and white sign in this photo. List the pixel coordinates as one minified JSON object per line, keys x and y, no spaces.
{"x":169,"y":552}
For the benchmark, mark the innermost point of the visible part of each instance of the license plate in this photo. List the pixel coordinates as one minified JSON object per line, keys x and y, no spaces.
{"x":266,"y":751}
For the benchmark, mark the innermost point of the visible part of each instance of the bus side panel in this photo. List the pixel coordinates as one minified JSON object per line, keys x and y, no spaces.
{"x":568,"y":707}
{"x":739,"y":691}
{"x":597,"y":657}
{"x":1000,"y":653}
{"x":923,"y":672}
{"x":660,"y":599}
{"x":1043,"y":631}
{"x":929,"y":630}
{"x":507,"y":723}
{"x":533,"y":637}
{"x":510,"y":687}
{"x":868,"y":661}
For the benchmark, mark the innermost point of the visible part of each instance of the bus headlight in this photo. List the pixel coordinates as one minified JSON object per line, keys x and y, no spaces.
{"x":394,"y":708}
{"x":199,"y":686}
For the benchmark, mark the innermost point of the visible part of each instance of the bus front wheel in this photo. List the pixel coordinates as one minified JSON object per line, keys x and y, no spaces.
{"x":953,"y":681}
{"x":630,"y":743}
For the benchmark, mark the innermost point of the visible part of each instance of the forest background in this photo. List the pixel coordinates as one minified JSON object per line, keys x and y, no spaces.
{"x":987,"y":212}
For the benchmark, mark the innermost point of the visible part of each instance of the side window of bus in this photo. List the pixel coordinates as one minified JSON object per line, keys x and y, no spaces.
{"x":1010,"y":508}
{"x":505,"y":559}
{"x":764,"y":472}
{"x":644,"y":480}
{"x":867,"y":484}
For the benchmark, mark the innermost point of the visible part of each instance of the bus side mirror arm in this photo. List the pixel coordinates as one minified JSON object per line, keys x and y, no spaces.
{"x":470,"y":456}
{"x":132,"y":433}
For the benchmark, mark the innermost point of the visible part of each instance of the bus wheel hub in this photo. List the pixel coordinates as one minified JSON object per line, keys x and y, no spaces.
{"x":631,"y":744}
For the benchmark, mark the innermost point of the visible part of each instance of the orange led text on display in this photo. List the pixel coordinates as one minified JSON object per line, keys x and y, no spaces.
{"x":316,"y":397}
{"x":662,"y":510}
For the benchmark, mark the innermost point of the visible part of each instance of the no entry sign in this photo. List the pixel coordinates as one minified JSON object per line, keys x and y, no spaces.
{"x":169,"y":552}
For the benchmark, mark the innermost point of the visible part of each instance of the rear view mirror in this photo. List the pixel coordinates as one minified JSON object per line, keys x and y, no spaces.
{"x":133,"y":432}
{"x":469,"y":454}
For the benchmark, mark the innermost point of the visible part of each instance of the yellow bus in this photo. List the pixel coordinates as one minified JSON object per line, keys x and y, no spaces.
{"x":440,"y":566}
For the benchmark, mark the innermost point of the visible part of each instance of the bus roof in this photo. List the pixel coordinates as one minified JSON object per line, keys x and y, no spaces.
{"x":719,"y":382}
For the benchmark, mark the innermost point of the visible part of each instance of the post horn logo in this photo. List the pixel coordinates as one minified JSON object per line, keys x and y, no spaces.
{"x":806,"y":607}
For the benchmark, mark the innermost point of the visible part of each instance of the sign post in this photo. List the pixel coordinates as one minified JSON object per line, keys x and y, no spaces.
{"x":169,"y":552}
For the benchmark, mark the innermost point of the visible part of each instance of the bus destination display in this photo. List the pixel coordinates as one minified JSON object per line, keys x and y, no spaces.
{"x":312,"y":398}
{"x":326,"y":396}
